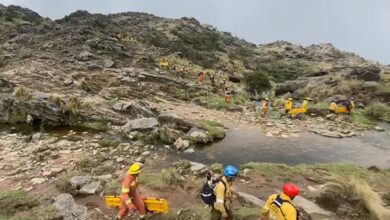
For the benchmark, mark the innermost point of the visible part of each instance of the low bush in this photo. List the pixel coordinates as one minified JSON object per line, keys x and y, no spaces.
{"x":377,"y":111}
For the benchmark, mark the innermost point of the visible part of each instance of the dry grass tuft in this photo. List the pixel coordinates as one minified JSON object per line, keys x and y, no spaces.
{"x":358,"y":190}
{"x":22,"y":94}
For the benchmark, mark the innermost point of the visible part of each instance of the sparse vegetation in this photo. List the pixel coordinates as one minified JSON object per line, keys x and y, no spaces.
{"x":63,"y":185}
{"x":280,"y":71}
{"x":358,"y":193}
{"x":12,"y":201}
{"x":377,"y":111}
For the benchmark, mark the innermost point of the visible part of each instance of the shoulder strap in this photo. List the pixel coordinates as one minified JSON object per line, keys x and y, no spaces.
{"x":224,"y":185}
{"x":279,"y":202}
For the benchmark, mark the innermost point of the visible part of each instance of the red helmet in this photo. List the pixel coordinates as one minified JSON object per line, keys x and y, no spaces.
{"x":290,"y":190}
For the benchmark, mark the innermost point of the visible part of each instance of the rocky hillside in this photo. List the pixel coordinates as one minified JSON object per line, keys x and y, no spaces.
{"x":84,"y":63}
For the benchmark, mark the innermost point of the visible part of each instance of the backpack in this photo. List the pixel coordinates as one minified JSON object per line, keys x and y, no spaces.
{"x":278,"y":202}
{"x":207,"y":193}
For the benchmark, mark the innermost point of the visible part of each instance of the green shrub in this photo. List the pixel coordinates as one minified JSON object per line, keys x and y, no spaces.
{"x":12,"y":201}
{"x":257,"y":82}
{"x":377,"y":111}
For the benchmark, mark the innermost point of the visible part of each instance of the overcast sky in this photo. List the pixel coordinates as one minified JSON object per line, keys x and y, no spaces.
{"x":360,"y":26}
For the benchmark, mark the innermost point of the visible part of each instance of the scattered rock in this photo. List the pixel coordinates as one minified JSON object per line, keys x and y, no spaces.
{"x":108,"y":63}
{"x":146,"y":153}
{"x":377,"y":128}
{"x":36,"y":181}
{"x":68,"y":209}
{"x":85,"y":56}
{"x":78,"y":181}
{"x":328,"y":133}
{"x":90,"y":188}
{"x":197,"y":168}
{"x":68,"y":82}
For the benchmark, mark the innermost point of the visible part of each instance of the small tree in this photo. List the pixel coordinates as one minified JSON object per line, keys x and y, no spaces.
{"x":257,"y":82}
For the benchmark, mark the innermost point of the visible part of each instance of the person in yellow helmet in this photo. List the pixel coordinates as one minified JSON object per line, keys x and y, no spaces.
{"x":305,"y":103}
{"x":130,"y":198}
{"x":288,"y":105}
{"x":279,"y":206}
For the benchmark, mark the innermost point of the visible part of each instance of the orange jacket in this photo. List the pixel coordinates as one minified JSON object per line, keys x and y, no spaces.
{"x":129,"y":185}
{"x":264,"y":104}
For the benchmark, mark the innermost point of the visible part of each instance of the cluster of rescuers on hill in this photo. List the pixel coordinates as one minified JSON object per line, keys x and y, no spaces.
{"x":217,"y":193}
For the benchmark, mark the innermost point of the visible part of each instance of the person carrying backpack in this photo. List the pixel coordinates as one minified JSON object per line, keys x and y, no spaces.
{"x":279,"y":206}
{"x":222,"y":197}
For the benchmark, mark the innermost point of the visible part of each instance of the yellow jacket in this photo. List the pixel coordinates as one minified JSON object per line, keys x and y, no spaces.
{"x":223,"y":199}
{"x":286,"y":212}
{"x":305,"y":104}
{"x":288,"y":105}
{"x":333,"y":106}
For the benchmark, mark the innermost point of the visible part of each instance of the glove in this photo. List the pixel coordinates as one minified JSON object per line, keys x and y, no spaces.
{"x":131,"y":207}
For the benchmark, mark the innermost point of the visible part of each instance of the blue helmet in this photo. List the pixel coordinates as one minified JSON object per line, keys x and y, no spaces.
{"x":230,"y":171}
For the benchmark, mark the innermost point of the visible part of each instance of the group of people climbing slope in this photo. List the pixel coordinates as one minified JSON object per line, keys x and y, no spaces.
{"x":217,"y":193}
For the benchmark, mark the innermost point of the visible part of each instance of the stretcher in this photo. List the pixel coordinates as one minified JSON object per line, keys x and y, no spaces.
{"x":297,"y":111}
{"x":154,"y":205}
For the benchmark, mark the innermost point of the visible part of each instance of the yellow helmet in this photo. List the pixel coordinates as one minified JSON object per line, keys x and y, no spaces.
{"x":290,"y":99}
{"x":135,"y":168}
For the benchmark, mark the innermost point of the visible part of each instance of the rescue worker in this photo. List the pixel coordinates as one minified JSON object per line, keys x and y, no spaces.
{"x":201,"y":78}
{"x":305,"y":103}
{"x":130,"y":198}
{"x":351,"y":105}
{"x":224,"y":196}
{"x":288,"y":105}
{"x":279,"y":206}
{"x":264,"y":107}
{"x":333,"y":106}
{"x":227,"y":94}
{"x":212,"y":78}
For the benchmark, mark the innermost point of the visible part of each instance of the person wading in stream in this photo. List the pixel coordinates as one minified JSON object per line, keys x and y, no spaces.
{"x":222,"y":208}
{"x":279,"y":206}
{"x":130,"y":198}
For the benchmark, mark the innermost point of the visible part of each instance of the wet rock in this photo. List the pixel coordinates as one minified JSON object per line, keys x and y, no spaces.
{"x":90,"y":188}
{"x":327,"y":133}
{"x":189,"y":151}
{"x":141,"y":124}
{"x":79,"y":181}
{"x":181,"y":144}
{"x":311,"y":208}
{"x":250,"y":199}
{"x":198,"y":136}
{"x":68,"y":209}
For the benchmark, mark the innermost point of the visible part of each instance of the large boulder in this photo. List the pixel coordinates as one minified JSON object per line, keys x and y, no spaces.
{"x":141,"y":124}
{"x":312,"y":209}
{"x":289,"y":87}
{"x":169,"y":135}
{"x":368,"y":73}
{"x":198,"y":136}
{"x":68,"y":209}
{"x":174,"y":121}
{"x":135,"y":109}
